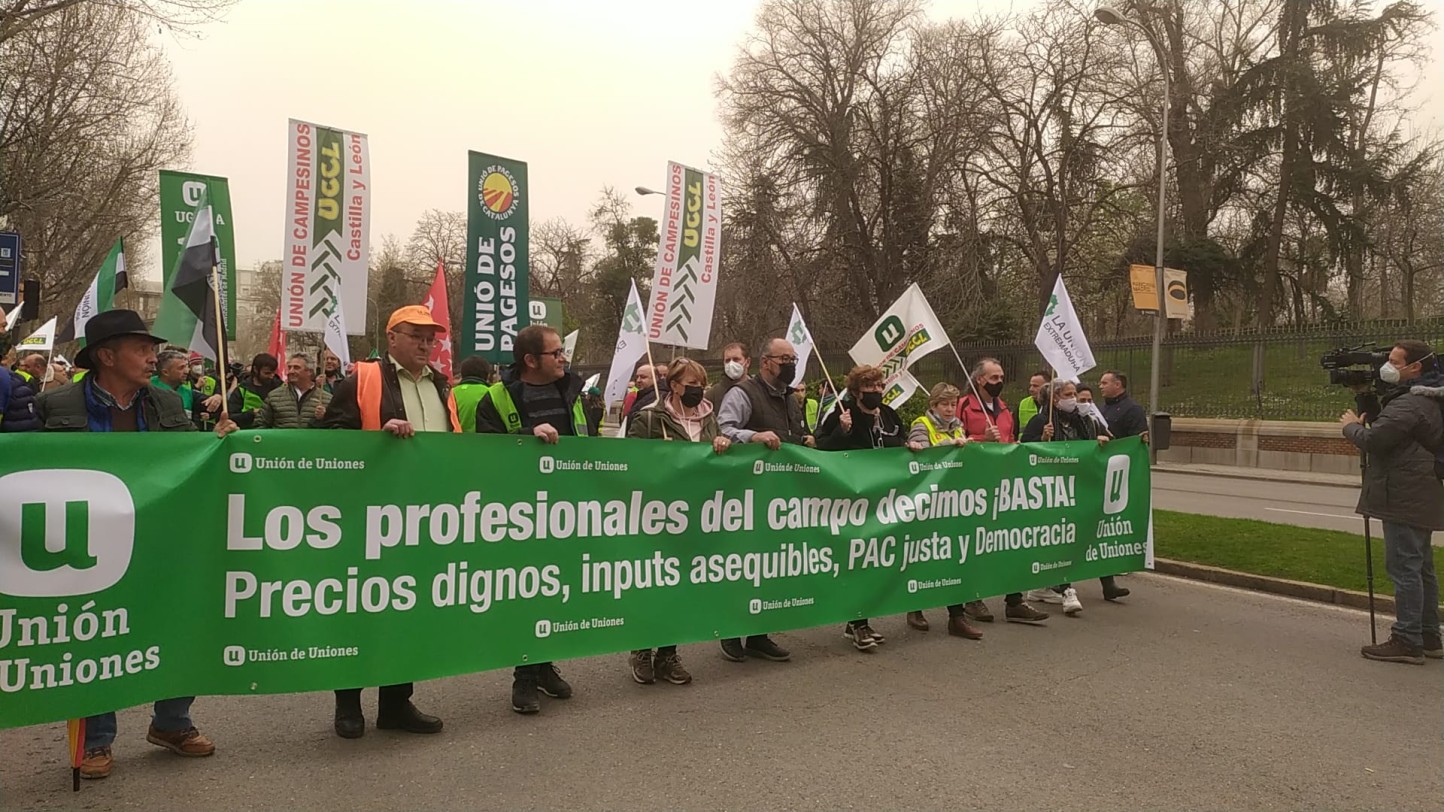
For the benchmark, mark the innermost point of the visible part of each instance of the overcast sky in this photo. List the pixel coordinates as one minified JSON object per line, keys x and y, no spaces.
{"x":589,"y":93}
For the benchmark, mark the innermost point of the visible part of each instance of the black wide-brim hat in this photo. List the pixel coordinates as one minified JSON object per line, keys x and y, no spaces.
{"x":111,"y":324}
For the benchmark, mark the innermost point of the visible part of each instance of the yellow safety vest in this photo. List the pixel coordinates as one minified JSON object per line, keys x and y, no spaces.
{"x":937,"y":436}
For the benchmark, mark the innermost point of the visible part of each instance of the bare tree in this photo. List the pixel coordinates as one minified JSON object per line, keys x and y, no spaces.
{"x":19,"y":16}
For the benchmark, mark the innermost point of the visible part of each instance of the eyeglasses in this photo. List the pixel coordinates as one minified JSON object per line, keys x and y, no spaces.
{"x":417,"y":337}
{"x":558,"y":354}
{"x":783,"y":359}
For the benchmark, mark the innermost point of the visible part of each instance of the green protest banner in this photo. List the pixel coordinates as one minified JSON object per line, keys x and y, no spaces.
{"x":498,"y":240}
{"x":180,"y":193}
{"x":546,"y":311}
{"x":314,"y":560}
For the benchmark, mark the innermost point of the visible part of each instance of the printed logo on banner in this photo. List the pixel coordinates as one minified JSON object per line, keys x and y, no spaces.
{"x":497,"y":192}
{"x":241,"y":463}
{"x":1115,"y":484}
{"x":754,"y":606}
{"x":757,"y":467}
{"x":53,"y":544}
{"x":546,"y":465}
{"x":543,"y":628}
{"x":233,"y":656}
{"x":913,"y":467}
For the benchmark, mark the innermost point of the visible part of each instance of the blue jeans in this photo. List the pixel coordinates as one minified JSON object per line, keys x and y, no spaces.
{"x":1409,"y":560}
{"x":169,"y":715}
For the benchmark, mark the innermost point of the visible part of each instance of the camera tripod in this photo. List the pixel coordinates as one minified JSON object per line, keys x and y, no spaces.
{"x":1368,"y":552}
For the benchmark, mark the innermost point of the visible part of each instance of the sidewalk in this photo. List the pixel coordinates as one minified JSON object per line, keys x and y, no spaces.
{"x":1267,"y":474}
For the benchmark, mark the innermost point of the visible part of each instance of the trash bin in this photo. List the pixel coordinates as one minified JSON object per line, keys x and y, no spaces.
{"x":1161,"y":432}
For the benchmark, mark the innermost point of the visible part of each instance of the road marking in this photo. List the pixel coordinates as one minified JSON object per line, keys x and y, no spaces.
{"x":1312,"y":513}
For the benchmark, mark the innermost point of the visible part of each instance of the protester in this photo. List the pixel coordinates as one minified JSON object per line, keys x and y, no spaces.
{"x":1034,"y":401}
{"x":1090,"y":410}
{"x":684,"y":415}
{"x":475,"y":373}
{"x":810,"y":408}
{"x":1125,"y":417}
{"x":32,"y":366}
{"x":760,"y":410}
{"x":989,"y":420}
{"x":206,"y":394}
{"x":17,"y":401}
{"x":736,"y":362}
{"x":171,"y":375}
{"x":57,"y":376}
{"x":1062,"y":421}
{"x":117,"y":396}
{"x":641,"y":382}
{"x":940,"y":426}
{"x":400,"y":394}
{"x":249,"y":395}
{"x":595,"y":408}
{"x":298,"y":404}
{"x":333,"y":374}
{"x":861,"y":420}
{"x":536,"y":396}
{"x":1401,"y":488}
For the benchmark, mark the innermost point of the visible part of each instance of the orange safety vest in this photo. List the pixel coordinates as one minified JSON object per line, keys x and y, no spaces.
{"x":368,"y":398}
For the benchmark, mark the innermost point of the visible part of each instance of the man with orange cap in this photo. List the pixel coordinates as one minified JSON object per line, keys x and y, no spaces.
{"x":400,"y":393}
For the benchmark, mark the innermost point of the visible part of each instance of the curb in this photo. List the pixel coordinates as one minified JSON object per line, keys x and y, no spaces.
{"x":1264,"y":474}
{"x":1276,"y":586}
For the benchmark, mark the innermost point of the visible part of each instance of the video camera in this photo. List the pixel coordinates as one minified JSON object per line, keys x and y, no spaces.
{"x":1355,"y":366}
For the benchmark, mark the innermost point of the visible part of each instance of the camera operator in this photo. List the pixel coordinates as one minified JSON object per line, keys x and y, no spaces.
{"x":1402,"y":489}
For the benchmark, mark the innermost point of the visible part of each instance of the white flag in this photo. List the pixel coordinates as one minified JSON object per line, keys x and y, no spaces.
{"x":13,"y":319}
{"x":42,"y":340}
{"x":569,"y":343}
{"x":684,"y":282}
{"x":908,"y":331}
{"x":631,"y":346}
{"x":801,"y":339}
{"x":1060,"y":337}
{"x":336,"y":332}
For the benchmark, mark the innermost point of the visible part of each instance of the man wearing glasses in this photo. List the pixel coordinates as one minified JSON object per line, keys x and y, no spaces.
{"x":402,"y":394}
{"x":761,"y":409}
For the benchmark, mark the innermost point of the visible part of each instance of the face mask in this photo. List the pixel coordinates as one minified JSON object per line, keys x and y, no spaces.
{"x":691,"y":396}
{"x":1068,"y":405}
{"x":734,"y":370}
{"x":993,"y":389}
{"x":1388,"y":373}
{"x":196,"y":370}
{"x":786,"y":372}
{"x":871,"y":400}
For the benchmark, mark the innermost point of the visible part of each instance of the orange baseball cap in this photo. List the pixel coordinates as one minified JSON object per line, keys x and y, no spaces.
{"x":418,"y":315}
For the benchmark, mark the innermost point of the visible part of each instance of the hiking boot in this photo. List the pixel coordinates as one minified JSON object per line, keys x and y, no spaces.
{"x":1023,"y":613}
{"x":958,"y":626}
{"x":524,"y":693}
{"x":979,"y":611}
{"x":188,"y":742}
{"x":918,"y":621}
{"x":874,"y":634}
{"x":762,"y":646}
{"x":732,"y":650}
{"x":1395,"y":650}
{"x":409,"y":718}
{"x":1433,"y":647}
{"x":1111,"y":590}
{"x":642,"y":670}
{"x":861,"y":640}
{"x":96,"y":763}
{"x":550,"y":681}
{"x":669,"y":667}
{"x":1071,"y":605}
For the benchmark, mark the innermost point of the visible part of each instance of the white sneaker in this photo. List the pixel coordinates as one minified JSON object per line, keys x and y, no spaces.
{"x":1042,"y":596}
{"x":1071,"y":604}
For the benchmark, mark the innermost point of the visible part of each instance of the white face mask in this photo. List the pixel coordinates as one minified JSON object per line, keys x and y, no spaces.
{"x":1388,"y":373}
{"x":734,"y":370}
{"x":1068,"y":405}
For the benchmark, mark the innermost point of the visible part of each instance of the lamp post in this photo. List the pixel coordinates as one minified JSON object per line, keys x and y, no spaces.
{"x":1110,"y":16}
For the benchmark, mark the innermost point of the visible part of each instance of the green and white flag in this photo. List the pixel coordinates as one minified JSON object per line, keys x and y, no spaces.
{"x":684,"y":283}
{"x":801,"y":339}
{"x":631,"y":346}
{"x":42,"y":340}
{"x":908,"y":331}
{"x":328,"y":225}
{"x":1060,"y":336}
{"x":336,"y":332}
{"x":180,"y":193}
{"x":569,"y":343}
{"x":190,"y":313}
{"x":100,"y":296}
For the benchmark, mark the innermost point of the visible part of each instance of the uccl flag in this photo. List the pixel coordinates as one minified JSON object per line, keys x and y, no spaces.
{"x":684,"y":284}
{"x":631,"y":346}
{"x":328,"y":226}
{"x":100,"y":296}
{"x":42,"y":340}
{"x":908,"y":331}
{"x":1060,"y":337}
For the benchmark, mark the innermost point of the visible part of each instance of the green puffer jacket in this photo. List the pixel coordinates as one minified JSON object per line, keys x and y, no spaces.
{"x":281,"y":410}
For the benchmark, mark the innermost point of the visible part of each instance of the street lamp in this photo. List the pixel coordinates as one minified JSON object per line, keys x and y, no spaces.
{"x":642,"y":190}
{"x":1111,"y":16}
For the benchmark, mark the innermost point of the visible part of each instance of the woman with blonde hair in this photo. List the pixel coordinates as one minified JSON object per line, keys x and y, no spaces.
{"x":683,"y":415}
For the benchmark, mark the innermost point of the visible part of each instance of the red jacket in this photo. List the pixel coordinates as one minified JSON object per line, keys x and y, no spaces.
{"x":975,"y":422}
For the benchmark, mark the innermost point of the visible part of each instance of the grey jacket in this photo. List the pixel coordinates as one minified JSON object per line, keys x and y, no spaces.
{"x":1400,"y":484}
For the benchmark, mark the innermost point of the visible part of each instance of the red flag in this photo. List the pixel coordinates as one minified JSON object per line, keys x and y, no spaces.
{"x":440,"y":307}
{"x":277,"y":346}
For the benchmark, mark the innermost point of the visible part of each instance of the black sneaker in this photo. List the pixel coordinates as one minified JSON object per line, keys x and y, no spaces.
{"x":732,"y":650}
{"x":1111,"y":590}
{"x":550,"y":681}
{"x":524,"y":693}
{"x":762,"y":646}
{"x":408,"y":718}
{"x":861,"y":640}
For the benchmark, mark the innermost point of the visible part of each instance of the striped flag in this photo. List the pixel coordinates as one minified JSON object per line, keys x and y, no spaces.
{"x":100,"y":296}
{"x":191,"y":317}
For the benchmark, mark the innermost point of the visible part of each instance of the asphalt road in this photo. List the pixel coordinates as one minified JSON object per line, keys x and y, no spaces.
{"x":1191,"y":696}
{"x":1305,"y":504}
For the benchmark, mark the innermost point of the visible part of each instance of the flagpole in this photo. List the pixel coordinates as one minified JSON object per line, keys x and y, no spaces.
{"x":656,"y":386}
{"x":973,"y":385}
{"x":220,"y":341}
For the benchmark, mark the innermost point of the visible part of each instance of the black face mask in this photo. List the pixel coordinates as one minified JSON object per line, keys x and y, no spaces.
{"x":785,"y":373}
{"x":993,"y":389}
{"x":692,"y":396}
{"x":871,"y":400}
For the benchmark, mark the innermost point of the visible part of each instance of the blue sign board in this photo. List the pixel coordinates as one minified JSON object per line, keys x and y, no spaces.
{"x":9,"y":267}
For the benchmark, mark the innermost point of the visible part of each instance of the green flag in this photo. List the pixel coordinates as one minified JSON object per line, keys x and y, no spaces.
{"x":100,"y":296}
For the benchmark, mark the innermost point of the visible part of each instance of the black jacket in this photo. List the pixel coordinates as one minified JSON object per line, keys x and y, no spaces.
{"x":64,"y":409}
{"x":19,"y":414}
{"x":236,"y":401}
{"x":489,"y":420}
{"x":1125,"y":417}
{"x":1066,"y":426}
{"x":345,"y":412}
{"x":884,"y":431}
{"x":1400,"y":483}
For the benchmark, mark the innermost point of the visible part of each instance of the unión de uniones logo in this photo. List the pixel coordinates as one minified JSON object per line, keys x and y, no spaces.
{"x":54,"y":545}
{"x":1115,"y":484}
{"x":546,"y":465}
{"x":241,"y":463}
{"x":497,"y":192}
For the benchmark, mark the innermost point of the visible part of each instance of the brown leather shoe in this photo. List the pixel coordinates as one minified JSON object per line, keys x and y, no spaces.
{"x":979,"y":611}
{"x":96,"y":763}
{"x":188,"y":742}
{"x":918,"y":621}
{"x":958,"y":626}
